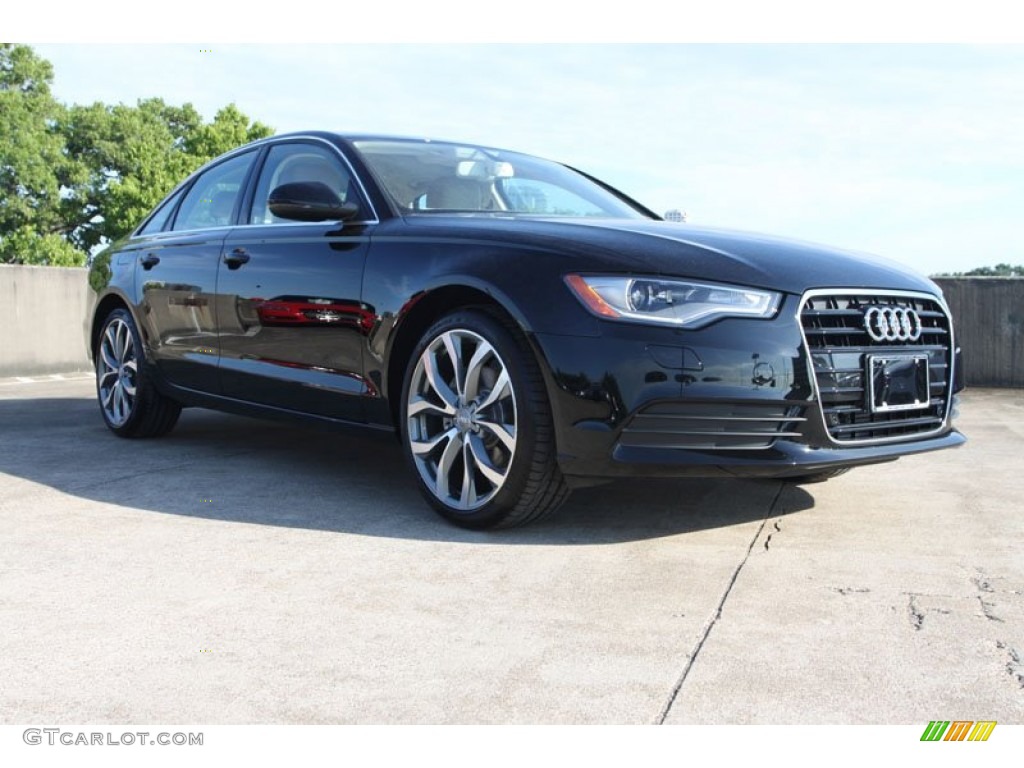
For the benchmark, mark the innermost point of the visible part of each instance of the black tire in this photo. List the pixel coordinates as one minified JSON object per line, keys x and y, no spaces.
{"x":817,"y":477}
{"x":489,"y":432}
{"x":129,"y":402}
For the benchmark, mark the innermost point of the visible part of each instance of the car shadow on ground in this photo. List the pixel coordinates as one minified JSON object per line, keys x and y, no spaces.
{"x":220,"y":467}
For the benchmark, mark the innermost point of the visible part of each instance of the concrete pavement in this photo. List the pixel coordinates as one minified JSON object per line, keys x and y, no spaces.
{"x":241,"y":571}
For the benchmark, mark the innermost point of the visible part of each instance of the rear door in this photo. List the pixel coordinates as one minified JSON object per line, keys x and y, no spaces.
{"x":177,"y":275}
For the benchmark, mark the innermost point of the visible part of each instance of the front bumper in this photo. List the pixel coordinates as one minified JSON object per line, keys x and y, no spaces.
{"x":785,"y":458}
{"x":733,"y":399}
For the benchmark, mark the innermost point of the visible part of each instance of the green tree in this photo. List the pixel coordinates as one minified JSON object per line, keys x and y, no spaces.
{"x":135,"y":155}
{"x":999,"y":270}
{"x":72,"y":177}
{"x":29,"y":247}
{"x":33,"y":166}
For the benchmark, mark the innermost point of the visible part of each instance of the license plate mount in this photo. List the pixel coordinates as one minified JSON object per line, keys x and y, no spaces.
{"x":898,"y":382}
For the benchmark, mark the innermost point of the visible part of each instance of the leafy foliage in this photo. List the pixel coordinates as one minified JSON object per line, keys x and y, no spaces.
{"x":72,"y":177}
{"x":33,"y":165}
{"x":999,"y":270}
{"x":27,"y":246}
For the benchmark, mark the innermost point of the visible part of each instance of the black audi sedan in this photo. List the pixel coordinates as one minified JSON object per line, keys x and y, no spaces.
{"x":522,"y":327}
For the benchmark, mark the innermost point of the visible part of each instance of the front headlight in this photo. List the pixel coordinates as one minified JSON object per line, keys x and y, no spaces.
{"x":682,"y":303}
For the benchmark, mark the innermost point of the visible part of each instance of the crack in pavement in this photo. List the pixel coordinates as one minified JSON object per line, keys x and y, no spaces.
{"x":982,"y":583}
{"x":1015,"y":666}
{"x":986,"y":610}
{"x":915,"y":614}
{"x":718,"y":612}
{"x":984,"y":586}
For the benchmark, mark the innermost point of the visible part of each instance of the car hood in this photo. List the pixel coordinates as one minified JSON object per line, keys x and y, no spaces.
{"x":683,"y":250}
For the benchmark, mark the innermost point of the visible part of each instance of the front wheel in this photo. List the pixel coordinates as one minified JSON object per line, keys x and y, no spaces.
{"x":130,"y":404}
{"x":476,"y":424}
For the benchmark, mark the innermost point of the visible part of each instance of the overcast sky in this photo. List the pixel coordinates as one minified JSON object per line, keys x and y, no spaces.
{"x":914,"y":152}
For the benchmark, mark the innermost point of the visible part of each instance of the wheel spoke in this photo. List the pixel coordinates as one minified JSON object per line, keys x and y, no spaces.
{"x":111,"y":342}
{"x":107,"y":356}
{"x":423,"y":447}
{"x":105,"y":378}
{"x":121,"y":344}
{"x":128,"y":351}
{"x":483,"y":463}
{"x":500,"y":389}
{"x":444,"y":464}
{"x":423,"y":406}
{"x":468,"y":495}
{"x":474,"y":369}
{"x":437,"y":383}
{"x":503,"y":432}
{"x":454,"y":348}
{"x":108,"y":398}
{"x":118,"y":401}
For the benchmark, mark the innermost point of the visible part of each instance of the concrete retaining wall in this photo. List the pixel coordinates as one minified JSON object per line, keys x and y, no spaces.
{"x":988,"y":313}
{"x":43,"y":311}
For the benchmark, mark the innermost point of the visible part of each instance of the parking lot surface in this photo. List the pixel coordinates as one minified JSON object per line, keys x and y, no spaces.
{"x":241,"y":571}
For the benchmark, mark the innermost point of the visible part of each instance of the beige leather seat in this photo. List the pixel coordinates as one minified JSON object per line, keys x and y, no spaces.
{"x":455,"y":194}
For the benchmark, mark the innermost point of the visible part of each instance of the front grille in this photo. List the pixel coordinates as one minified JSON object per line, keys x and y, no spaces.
{"x":711,"y":426}
{"x":839,"y":346}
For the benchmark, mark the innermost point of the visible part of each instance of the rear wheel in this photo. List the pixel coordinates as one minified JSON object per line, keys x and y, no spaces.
{"x":130,"y":404}
{"x":476,"y":424}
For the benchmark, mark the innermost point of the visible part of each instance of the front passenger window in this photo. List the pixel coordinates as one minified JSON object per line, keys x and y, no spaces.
{"x":289,"y":163}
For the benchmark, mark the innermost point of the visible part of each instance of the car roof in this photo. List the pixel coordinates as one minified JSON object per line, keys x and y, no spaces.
{"x":350,"y":137}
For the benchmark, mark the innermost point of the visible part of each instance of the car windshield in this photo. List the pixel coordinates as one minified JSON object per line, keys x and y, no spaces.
{"x":436,"y":177}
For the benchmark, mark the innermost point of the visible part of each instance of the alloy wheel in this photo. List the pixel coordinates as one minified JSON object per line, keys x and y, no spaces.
{"x":117,"y":371}
{"x":461,"y":419}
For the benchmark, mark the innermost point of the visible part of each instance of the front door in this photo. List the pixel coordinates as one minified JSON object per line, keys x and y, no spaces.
{"x":292,"y":326}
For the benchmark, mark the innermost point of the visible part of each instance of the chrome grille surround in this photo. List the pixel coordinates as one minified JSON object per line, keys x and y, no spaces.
{"x":837,"y":346}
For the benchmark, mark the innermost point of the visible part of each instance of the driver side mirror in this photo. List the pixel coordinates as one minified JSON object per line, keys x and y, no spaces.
{"x":309,"y":201}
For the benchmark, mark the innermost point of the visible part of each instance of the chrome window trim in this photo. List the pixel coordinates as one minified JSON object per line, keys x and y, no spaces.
{"x":259,"y":145}
{"x":939,"y":299}
{"x":345,"y":223}
{"x":232,"y":227}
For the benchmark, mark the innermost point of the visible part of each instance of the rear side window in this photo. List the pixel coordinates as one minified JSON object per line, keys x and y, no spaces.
{"x":163,"y":213}
{"x":210,"y":202}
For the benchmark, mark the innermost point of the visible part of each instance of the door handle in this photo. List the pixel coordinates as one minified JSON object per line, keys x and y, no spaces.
{"x":236,"y":258}
{"x":149,"y":261}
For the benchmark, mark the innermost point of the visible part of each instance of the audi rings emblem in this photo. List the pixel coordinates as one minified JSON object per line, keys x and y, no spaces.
{"x":892,"y":324}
